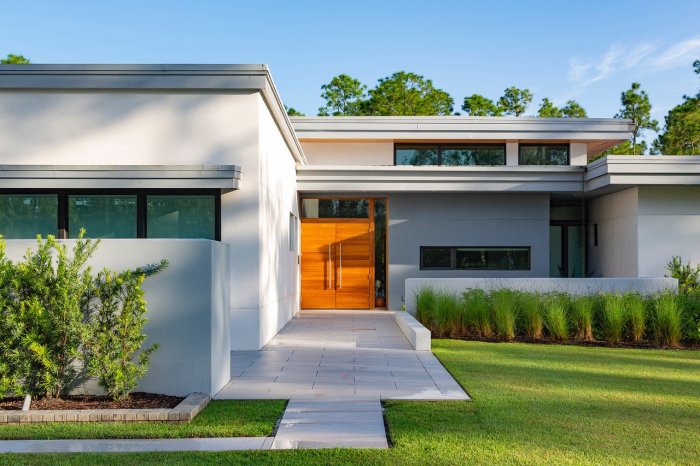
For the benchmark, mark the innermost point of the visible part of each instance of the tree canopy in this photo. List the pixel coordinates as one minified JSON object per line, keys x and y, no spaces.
{"x":681,"y":134}
{"x":636,"y":107}
{"x":478,"y":105}
{"x":571,"y":109}
{"x":344,"y":96}
{"x":515,"y":101}
{"x":291,"y":111}
{"x":13,"y":59}
{"x":405,"y":93}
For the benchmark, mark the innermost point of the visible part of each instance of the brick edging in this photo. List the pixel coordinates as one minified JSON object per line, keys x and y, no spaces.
{"x":182,"y":413}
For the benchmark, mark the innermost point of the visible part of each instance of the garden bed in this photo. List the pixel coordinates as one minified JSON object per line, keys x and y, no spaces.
{"x":646,"y":344}
{"x":138,"y":400}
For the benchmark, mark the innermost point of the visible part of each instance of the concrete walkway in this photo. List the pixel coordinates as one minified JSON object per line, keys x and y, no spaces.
{"x":135,"y":445}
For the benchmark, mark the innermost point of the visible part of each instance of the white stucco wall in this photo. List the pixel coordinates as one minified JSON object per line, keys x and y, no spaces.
{"x":668,"y":225}
{"x":578,"y":153}
{"x":349,"y":153}
{"x":617,"y":252}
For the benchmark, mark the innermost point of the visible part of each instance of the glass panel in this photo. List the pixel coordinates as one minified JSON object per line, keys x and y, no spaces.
{"x":556,"y":264}
{"x":546,"y":154}
{"x":474,"y":155}
{"x":102,"y":216}
{"x":435,"y":258}
{"x":28,"y":215}
{"x":181,"y":216}
{"x":565,"y":212}
{"x":416,"y":155}
{"x":575,"y":251}
{"x":335,"y":208}
{"x":380,"y":248}
{"x":493,"y":258}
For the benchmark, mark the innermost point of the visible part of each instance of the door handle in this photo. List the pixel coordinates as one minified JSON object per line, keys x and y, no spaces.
{"x":340,"y":262}
{"x":330,"y":267}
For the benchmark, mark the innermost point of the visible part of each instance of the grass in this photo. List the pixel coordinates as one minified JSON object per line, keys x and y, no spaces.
{"x":582,"y":316}
{"x":667,"y":321}
{"x":530,"y":315}
{"x":503,"y":304}
{"x":218,"y":419}
{"x":555,"y":318}
{"x":476,"y":312}
{"x":447,"y":314}
{"x":425,"y":301}
{"x":533,"y":404}
{"x":636,"y":316}
{"x":613,"y":318}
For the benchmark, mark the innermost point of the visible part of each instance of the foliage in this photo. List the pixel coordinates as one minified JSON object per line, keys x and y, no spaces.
{"x":530,"y":314}
{"x":503,"y":306}
{"x":555,"y":319}
{"x":447,"y":314}
{"x":624,"y":148}
{"x":636,"y":107}
{"x":425,"y":303}
{"x":60,"y":324}
{"x":410,"y":94}
{"x":636,"y":315}
{"x":344,"y":95}
{"x":681,"y":134}
{"x":478,"y":105}
{"x":582,"y":317}
{"x":548,"y":110}
{"x":667,"y":320}
{"x":613,"y":318}
{"x":688,"y":277}
{"x":476,"y":312}
{"x":515,"y":101}
{"x":291,"y":111}
{"x":13,"y":59}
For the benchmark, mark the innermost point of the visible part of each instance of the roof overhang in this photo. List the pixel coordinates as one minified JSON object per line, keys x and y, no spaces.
{"x":618,"y":172}
{"x":155,"y":78}
{"x":394,"y":179}
{"x":223,"y":178}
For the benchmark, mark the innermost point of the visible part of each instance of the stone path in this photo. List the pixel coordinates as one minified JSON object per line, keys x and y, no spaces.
{"x":134,"y":445}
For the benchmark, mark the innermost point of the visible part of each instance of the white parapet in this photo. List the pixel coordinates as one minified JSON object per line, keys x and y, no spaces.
{"x":574,"y":286}
{"x":417,"y":335}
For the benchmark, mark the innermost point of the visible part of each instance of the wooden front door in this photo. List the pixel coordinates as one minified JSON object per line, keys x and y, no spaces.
{"x":336,"y":261}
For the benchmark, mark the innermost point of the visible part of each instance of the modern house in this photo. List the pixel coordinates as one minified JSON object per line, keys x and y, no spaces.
{"x":318,"y":212}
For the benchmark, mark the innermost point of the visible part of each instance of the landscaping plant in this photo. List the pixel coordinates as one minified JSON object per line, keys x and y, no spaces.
{"x":613,"y":318}
{"x":582,"y":316}
{"x":555,"y":318}
{"x":688,"y":277}
{"x":530,"y":313}
{"x":503,"y":304}
{"x":425,"y":300}
{"x":447,"y":314}
{"x":667,"y":320}
{"x":636,"y":315}
{"x":476,"y":312}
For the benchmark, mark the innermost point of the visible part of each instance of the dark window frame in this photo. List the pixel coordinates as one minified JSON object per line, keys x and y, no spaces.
{"x":441,"y":146}
{"x":568,"y":153}
{"x":141,"y":207}
{"x":453,"y":258}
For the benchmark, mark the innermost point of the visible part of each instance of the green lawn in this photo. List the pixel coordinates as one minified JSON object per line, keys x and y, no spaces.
{"x":218,"y":419}
{"x":533,"y":404}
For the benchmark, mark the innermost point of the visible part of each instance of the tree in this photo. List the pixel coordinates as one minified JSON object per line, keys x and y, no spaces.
{"x":636,"y":107}
{"x":344,"y":95}
{"x":573,"y":109}
{"x":696,"y":66}
{"x":291,"y":111}
{"x":409,"y":94}
{"x":515,"y":101}
{"x":13,"y":59}
{"x":549,"y":110}
{"x":681,"y":134}
{"x":478,"y":105}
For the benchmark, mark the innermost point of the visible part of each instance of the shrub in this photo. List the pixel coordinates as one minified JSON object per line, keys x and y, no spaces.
{"x":504,"y":313}
{"x":555,"y":318}
{"x":447,"y":314}
{"x":690,"y":307}
{"x":582,"y":316}
{"x":636,"y":315}
{"x":688,"y":277}
{"x":530,"y":313}
{"x":667,"y":320}
{"x":425,"y":300}
{"x":476,"y":312}
{"x":613,"y":318}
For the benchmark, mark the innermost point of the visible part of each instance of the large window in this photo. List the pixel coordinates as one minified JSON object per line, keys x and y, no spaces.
{"x":102,"y":215}
{"x":450,"y":154}
{"x":474,"y":258}
{"x":28,"y":215}
{"x":335,"y":208}
{"x":543,"y":154}
{"x":180,"y":216}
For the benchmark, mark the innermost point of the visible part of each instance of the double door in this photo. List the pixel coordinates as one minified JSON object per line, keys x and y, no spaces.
{"x":336,"y":260}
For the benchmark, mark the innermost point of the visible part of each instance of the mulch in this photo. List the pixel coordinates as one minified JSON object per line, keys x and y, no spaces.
{"x":137,"y":400}
{"x":644,"y":344}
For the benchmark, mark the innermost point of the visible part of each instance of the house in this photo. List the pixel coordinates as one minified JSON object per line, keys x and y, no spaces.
{"x":261,"y":215}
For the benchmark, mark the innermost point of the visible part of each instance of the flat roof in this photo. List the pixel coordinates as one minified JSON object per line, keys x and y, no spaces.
{"x":182,"y":78}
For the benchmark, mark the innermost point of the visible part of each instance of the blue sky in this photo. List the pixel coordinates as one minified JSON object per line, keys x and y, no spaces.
{"x":587,"y":50}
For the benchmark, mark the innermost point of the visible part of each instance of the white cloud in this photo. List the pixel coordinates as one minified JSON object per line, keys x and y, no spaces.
{"x":680,"y":53}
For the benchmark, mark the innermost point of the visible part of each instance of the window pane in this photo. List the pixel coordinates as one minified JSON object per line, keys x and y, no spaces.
{"x":102,"y":216}
{"x":545,"y":154}
{"x":575,"y":251}
{"x":380,"y":247}
{"x":335,"y":208}
{"x":435,"y":258}
{"x":28,"y":215}
{"x":474,"y":155}
{"x":416,"y":155}
{"x":182,"y":216}
{"x":556,"y":261}
{"x":493,"y":258}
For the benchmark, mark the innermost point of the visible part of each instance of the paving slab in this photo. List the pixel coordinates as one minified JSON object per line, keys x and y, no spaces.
{"x":134,"y":445}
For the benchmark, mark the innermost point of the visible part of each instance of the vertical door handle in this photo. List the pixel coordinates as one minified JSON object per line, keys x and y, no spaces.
{"x":340,"y":261}
{"x":329,"y":268}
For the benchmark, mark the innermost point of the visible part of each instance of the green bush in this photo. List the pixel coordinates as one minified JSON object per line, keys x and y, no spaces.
{"x":555,"y":318}
{"x":476,"y":312}
{"x":690,"y":307}
{"x":503,"y":304}
{"x":582,"y":317}
{"x":447,"y":315}
{"x":613,"y":318}
{"x":667,"y":320}
{"x":425,"y":300}
{"x":530,"y":312}
{"x":688,"y":277}
{"x":636,"y":315}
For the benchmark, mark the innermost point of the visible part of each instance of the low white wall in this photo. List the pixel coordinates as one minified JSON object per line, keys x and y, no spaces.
{"x":188,"y":312}
{"x":575,"y":286}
